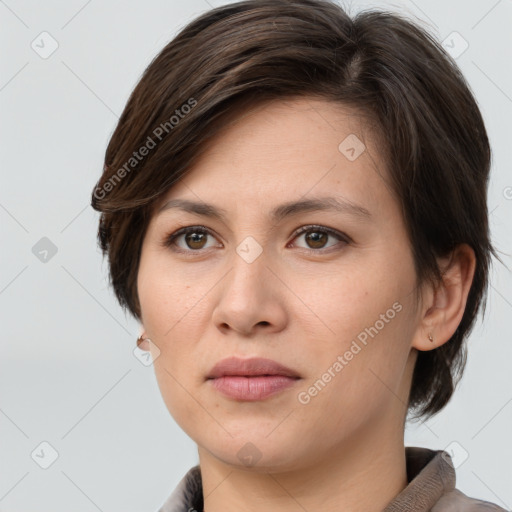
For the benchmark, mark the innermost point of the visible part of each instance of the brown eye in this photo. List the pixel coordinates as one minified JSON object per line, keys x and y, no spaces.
{"x":316,"y":237}
{"x":194,"y":239}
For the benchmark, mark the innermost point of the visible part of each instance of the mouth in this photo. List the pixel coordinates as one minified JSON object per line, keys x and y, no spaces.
{"x":251,"y":379}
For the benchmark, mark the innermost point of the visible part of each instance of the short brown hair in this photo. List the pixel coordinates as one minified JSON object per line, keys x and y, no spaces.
{"x":435,"y":142}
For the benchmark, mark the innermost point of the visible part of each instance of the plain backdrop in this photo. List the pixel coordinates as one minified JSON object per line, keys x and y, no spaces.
{"x":73,"y":393}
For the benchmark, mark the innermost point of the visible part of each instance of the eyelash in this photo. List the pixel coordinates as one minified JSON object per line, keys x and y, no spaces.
{"x":169,"y":240}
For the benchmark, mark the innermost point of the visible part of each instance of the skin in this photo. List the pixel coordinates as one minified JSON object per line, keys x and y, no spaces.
{"x":301,"y":302}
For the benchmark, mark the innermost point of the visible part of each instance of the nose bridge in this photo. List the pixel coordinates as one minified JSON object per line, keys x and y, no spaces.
{"x":249,"y":264}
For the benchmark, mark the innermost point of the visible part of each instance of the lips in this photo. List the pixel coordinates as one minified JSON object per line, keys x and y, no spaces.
{"x":255,"y":366}
{"x":251,"y":380}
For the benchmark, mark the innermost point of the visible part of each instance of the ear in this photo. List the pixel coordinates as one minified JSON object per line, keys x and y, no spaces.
{"x":443,"y":305}
{"x":143,"y":342}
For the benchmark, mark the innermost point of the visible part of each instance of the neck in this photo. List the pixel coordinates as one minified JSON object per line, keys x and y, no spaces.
{"x":363,"y":474}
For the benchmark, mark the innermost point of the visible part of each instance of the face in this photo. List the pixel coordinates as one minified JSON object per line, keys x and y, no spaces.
{"x":326,"y":291}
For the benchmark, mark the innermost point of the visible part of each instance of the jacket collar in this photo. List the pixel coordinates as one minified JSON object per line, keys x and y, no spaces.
{"x":430,"y":475}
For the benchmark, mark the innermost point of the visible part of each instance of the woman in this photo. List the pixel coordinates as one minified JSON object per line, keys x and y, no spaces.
{"x":293,"y":206}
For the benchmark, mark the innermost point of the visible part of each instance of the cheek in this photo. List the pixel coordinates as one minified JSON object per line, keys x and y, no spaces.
{"x":367,"y":318}
{"x":164,"y":297}
{"x":342,"y":304}
{"x":171,"y":312}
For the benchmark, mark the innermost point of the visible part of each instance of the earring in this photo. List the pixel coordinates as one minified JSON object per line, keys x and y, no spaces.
{"x":140,"y":339}
{"x":431,"y":339}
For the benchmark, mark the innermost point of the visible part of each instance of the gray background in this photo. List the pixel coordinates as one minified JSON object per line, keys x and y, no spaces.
{"x":68,"y":373}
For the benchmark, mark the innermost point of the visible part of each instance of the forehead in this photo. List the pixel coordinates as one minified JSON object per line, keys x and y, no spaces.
{"x":295,"y":122}
{"x":288,"y":149}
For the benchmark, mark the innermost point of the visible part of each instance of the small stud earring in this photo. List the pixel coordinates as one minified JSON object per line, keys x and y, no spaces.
{"x":431,"y":339}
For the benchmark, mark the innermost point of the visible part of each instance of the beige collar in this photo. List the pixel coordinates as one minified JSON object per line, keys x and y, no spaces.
{"x":431,"y":488}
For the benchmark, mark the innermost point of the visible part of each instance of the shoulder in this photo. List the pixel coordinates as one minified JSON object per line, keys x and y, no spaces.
{"x":456,"y":501}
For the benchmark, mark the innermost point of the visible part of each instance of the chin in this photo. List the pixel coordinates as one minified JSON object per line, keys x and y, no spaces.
{"x":254,"y":449}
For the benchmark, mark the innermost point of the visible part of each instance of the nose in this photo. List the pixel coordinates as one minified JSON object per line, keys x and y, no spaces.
{"x":251,"y":298}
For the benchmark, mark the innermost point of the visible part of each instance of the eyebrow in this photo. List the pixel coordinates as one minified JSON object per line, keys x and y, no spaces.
{"x":278,"y":213}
